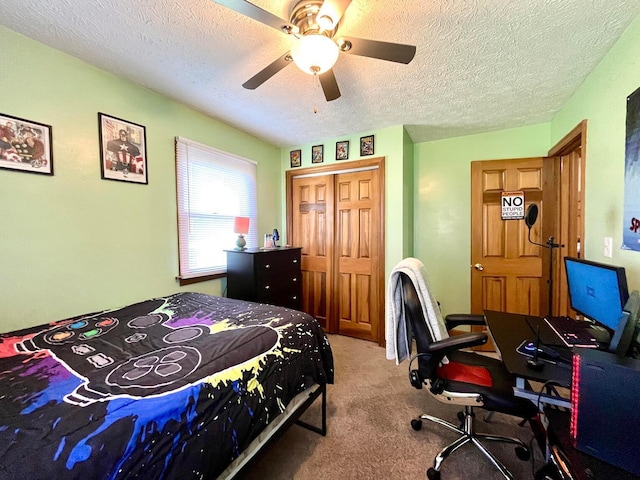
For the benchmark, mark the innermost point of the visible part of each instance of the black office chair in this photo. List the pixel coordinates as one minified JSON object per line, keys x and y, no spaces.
{"x":468,"y":379}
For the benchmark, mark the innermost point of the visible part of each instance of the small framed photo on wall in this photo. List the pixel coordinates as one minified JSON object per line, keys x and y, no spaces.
{"x":25,"y":145}
{"x":123,"y":150}
{"x":342,"y":150}
{"x":295,"y":158}
{"x":366,"y":145}
{"x":317,"y":154}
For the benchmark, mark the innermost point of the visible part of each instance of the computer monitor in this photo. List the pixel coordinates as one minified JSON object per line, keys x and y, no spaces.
{"x":597,"y":291}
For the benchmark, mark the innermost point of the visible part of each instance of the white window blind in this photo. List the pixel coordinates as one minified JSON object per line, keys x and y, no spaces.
{"x":213,"y":187}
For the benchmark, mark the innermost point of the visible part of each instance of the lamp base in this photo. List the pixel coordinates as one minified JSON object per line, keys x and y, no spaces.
{"x":240,"y":242}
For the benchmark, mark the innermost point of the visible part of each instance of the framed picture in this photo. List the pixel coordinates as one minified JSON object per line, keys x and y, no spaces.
{"x":25,"y":145}
{"x":317,"y":154}
{"x":123,"y":150}
{"x":342,"y":150}
{"x":366,"y":145}
{"x":295,"y":156}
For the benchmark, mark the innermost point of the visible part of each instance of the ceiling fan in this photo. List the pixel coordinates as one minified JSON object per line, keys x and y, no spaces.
{"x":314,"y":23}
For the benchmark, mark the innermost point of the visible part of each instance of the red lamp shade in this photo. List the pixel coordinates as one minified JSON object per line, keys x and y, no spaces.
{"x":241,"y":225}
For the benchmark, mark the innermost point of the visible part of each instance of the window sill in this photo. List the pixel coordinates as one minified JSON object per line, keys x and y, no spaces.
{"x":204,"y":278}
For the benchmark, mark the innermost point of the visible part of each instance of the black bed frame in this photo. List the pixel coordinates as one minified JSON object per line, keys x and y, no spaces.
{"x":294,"y":418}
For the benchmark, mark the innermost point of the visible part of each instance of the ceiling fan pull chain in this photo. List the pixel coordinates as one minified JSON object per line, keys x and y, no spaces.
{"x":317,"y":87}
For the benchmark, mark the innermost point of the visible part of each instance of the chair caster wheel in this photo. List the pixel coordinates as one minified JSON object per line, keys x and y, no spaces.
{"x":523,"y":453}
{"x":416,"y":424}
{"x":433,"y":474}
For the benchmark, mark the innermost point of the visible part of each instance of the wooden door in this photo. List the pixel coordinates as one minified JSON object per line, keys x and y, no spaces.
{"x":336,"y":214}
{"x":358,"y":255}
{"x":506,"y":269}
{"x":312,"y":229}
{"x":559,"y":191}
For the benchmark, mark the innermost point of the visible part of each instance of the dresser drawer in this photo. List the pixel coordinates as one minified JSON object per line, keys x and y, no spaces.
{"x":281,"y":261}
{"x":279,"y":292}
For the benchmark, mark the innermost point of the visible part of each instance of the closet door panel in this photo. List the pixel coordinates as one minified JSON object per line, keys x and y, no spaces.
{"x":313,"y":204}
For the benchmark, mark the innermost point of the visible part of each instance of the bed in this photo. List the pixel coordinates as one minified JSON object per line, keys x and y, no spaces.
{"x":173,"y":387}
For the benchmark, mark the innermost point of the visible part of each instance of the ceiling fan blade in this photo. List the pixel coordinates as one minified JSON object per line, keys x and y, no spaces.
{"x":393,"y":52}
{"x":333,"y":9}
{"x":268,"y":72}
{"x":257,"y":13}
{"x":329,"y":85}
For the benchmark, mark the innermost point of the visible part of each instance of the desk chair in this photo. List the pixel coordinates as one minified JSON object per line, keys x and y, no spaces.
{"x":468,"y":379}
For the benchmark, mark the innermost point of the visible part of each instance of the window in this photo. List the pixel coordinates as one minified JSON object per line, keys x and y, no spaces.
{"x":213,"y":187}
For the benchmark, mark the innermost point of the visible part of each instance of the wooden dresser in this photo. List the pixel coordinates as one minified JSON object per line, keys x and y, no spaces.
{"x":265,"y":276}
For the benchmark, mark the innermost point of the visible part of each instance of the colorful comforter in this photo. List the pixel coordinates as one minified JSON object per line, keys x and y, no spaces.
{"x":172,"y":387}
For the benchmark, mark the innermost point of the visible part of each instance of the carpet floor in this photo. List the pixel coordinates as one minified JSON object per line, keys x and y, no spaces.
{"x":369,"y":436}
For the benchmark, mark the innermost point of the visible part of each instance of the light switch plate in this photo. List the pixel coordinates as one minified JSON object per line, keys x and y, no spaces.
{"x":608,"y":247}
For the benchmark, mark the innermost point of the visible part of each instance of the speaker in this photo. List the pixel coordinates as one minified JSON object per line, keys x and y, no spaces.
{"x":605,"y":415}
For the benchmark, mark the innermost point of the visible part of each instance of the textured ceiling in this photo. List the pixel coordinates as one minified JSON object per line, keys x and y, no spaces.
{"x":480,"y":65}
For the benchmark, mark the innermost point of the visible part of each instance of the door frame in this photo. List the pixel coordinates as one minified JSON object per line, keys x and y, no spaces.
{"x":335,"y":169}
{"x":568,"y":226}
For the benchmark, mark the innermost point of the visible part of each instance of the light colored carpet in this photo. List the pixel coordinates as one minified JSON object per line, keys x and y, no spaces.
{"x":369,"y":435}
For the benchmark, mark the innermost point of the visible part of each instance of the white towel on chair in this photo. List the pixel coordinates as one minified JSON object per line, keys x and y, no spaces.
{"x":398,"y":341}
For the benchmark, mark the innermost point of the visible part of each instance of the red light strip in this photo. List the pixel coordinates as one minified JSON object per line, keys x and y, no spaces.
{"x":575,"y":396}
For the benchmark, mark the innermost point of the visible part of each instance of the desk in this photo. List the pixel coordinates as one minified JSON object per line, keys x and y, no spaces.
{"x":508,"y":331}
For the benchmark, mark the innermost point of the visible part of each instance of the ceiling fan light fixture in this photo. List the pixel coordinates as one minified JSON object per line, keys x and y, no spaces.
{"x":315,"y":53}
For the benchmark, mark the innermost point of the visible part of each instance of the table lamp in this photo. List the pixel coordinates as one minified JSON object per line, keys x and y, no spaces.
{"x":241,"y":227}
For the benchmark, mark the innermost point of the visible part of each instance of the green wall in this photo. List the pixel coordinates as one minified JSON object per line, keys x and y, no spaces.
{"x":602,"y":101}
{"x":74,"y":243}
{"x":443,"y":203}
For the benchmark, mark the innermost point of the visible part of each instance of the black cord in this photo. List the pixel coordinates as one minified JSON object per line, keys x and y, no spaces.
{"x":548,"y":383}
{"x":417,"y":355}
{"x":545,"y":385}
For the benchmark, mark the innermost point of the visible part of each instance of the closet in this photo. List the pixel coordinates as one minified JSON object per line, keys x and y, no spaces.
{"x":335,"y":213}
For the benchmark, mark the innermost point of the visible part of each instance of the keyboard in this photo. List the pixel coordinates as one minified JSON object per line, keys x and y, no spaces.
{"x":573,"y":333}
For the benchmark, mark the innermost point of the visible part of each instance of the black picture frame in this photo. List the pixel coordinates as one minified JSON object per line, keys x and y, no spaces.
{"x":295,"y":157}
{"x":342,"y":150}
{"x":25,"y":145}
{"x":366,"y":145}
{"x":123,"y":150}
{"x":317,"y":154}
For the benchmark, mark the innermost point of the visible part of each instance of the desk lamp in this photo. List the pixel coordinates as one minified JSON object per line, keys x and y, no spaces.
{"x":241,"y":227}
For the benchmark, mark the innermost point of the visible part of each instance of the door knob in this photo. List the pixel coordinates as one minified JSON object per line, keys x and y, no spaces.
{"x":478,"y":266}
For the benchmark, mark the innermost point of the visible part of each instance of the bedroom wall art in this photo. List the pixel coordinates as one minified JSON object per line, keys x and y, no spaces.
{"x":342,"y":150}
{"x":366,"y":145}
{"x":295,"y":158}
{"x":631,"y":213}
{"x":25,"y":145}
{"x":123,"y":150}
{"x":317,"y":154}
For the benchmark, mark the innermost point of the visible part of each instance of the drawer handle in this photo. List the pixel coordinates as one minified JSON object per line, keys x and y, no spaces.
{"x":267,"y":266}
{"x":295,"y":261}
{"x":295,"y":297}
{"x":295,"y":279}
{"x":267,"y":287}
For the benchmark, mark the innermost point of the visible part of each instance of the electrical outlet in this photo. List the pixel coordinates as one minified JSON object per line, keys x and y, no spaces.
{"x":608,"y":247}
